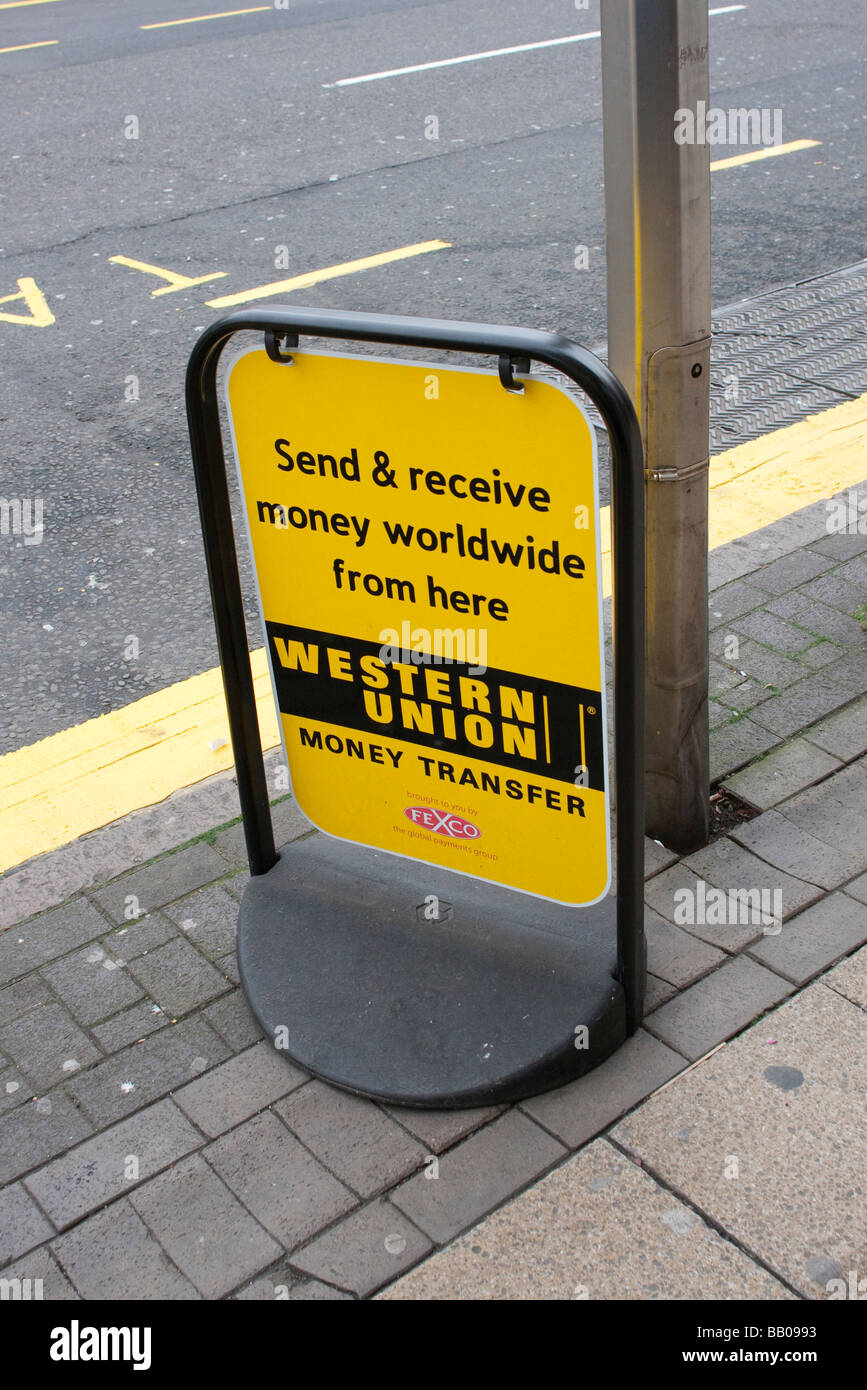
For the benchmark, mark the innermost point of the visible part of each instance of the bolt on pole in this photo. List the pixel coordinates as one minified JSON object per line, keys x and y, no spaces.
{"x":657,"y":212}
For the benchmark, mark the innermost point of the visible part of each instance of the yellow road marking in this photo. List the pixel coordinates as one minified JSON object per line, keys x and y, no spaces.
{"x":176,"y":282}
{"x":768,"y":153}
{"x":199,"y":18}
{"x":84,"y":777}
{"x":19,"y":47}
{"x":40,"y":315}
{"x":331,"y":272}
{"x":20,"y":4}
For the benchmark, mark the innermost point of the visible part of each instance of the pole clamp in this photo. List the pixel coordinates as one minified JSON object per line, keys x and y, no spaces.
{"x":676,"y":475}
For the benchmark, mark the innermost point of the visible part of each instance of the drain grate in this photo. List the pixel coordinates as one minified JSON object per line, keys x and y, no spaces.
{"x":786,"y":355}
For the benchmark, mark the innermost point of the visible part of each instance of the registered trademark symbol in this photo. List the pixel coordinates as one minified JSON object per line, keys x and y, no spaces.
{"x":591,"y":709}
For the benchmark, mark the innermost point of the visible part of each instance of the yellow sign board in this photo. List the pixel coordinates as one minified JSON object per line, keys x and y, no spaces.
{"x":427,"y":552}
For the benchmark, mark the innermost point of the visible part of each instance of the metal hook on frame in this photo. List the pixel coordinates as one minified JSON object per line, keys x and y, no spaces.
{"x":507,"y":366}
{"x":273,"y":339}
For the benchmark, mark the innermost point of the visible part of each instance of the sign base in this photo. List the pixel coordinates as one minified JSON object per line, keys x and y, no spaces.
{"x":415,"y":986}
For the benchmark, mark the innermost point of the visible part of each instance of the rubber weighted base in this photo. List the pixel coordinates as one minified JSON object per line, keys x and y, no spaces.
{"x":348,"y":975}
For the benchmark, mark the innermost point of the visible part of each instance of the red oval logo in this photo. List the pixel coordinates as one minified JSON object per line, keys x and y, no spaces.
{"x":442,"y":823}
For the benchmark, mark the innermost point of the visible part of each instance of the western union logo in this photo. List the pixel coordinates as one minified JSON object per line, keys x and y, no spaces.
{"x":513,"y":720}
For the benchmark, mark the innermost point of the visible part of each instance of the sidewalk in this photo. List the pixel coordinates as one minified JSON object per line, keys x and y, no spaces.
{"x":154,"y":1146}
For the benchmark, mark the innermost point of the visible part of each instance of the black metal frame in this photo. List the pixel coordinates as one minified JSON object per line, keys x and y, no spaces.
{"x":513,"y":348}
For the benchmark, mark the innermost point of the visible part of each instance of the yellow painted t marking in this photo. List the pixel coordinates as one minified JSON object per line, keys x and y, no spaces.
{"x":768,"y":153}
{"x":19,"y":47}
{"x":40,"y":315}
{"x":176,"y":282}
{"x":198,"y":18}
{"x":313,"y":277}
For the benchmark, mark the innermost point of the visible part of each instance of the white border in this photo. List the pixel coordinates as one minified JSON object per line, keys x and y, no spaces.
{"x":467,"y":371}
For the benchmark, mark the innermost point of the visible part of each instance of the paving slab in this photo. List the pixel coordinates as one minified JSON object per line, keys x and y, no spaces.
{"x":439,"y":1129}
{"x":140,"y":1074}
{"x":815,"y":939}
{"x":726,"y":864}
{"x":656,"y":993}
{"x":734,"y":744}
{"x":132,"y":1026}
{"x":817,"y":618}
{"x":849,"y":978}
{"x":781,"y":773}
{"x":15,"y":1089}
{"x":858,"y":888}
{"x":23,"y":997}
{"x":717,"y":1007}
{"x":822,"y":653}
{"x":229,"y":967}
{"x":851,"y":670}
{"x":731,"y":600}
{"x":111,"y":1163}
{"x":287,"y":1190}
{"x":286,"y":1288}
{"x":674,"y":955}
{"x":775,"y":839}
{"x":208,"y":918}
{"x":34,"y":1133}
{"x":767,"y":1139}
{"x":137,"y":937}
{"x":288,"y":821}
{"x":680,"y":896}
{"x":178,"y":977}
{"x":353,"y":1137}
{"x":717,"y":715}
{"x":844,"y":734}
{"x":113,"y":1255}
{"x":204,"y":1229}
{"x":849,"y":786}
{"x":597,"y":1228}
{"x":579,"y":1111}
{"x":790,"y":571}
{"x":743,"y":696}
{"x":92,"y":984}
{"x":41,"y":1264}
{"x":773,"y":631}
{"x":22,"y":1224}
{"x":835,"y":590}
{"x":234,"y":1091}
{"x":477,"y":1176}
{"x":656,"y":857}
{"x":232,"y":1019}
{"x":48,"y":1045}
{"x":841,"y":546}
{"x":162,"y":882}
{"x":365,"y":1250}
{"x":25,"y":948}
{"x":822,"y":812}
{"x":802,"y":704}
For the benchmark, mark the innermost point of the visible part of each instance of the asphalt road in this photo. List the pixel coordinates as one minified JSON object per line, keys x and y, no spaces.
{"x":244,"y":157}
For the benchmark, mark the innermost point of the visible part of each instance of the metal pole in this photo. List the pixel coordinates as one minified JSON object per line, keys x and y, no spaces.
{"x":657,"y":210}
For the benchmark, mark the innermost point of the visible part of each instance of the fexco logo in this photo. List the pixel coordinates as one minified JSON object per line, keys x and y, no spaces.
{"x":442,"y":823}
